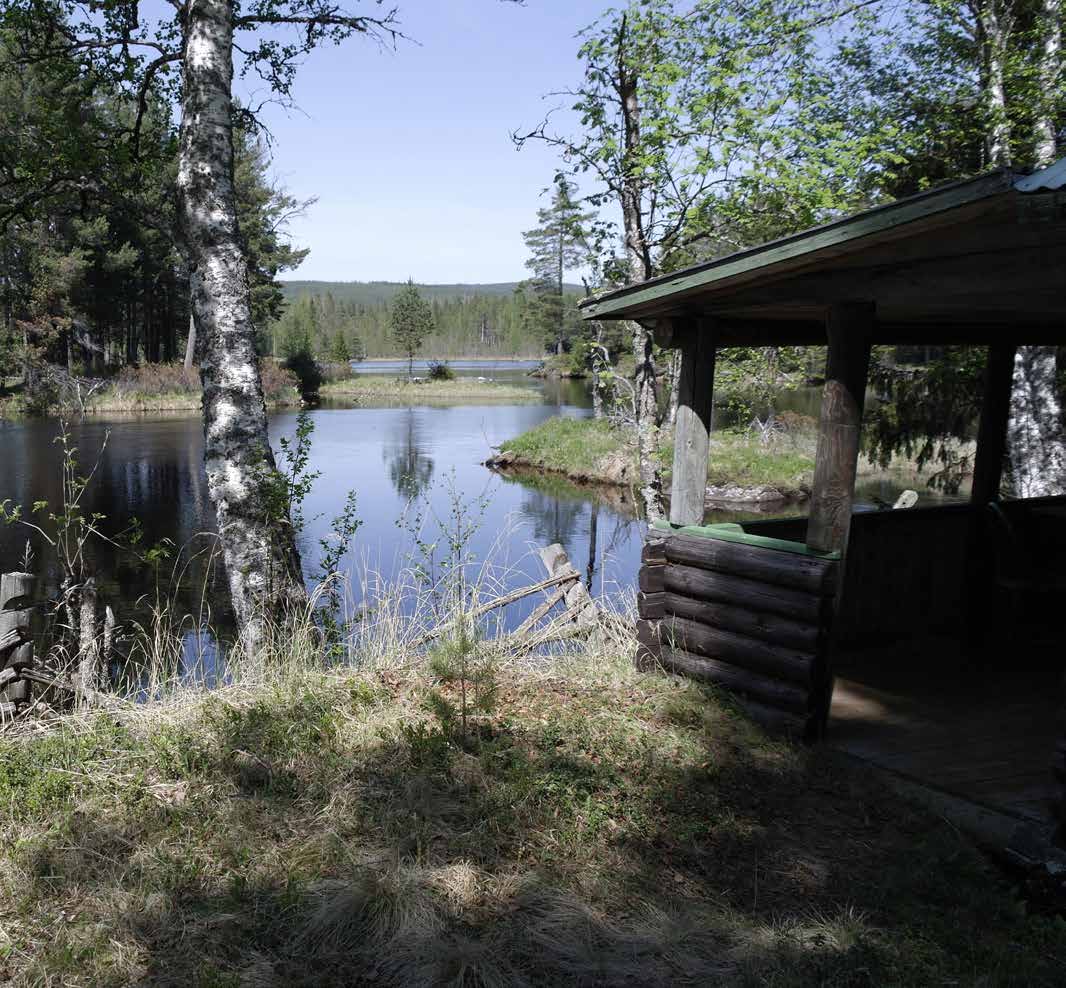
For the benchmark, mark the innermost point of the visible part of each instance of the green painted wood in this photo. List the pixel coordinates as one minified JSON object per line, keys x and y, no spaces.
{"x":623,"y":304}
{"x":732,"y":532}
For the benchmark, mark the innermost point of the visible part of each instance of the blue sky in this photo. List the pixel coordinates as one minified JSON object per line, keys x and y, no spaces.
{"x":408,"y":151}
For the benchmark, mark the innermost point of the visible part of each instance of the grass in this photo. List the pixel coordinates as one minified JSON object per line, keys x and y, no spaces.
{"x":738,"y":458}
{"x":594,"y":450}
{"x":605,"y":828}
{"x":579,"y":448}
{"x":374,"y":388}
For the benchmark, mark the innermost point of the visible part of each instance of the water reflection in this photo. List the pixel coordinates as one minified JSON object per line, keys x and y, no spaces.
{"x":410,"y":467}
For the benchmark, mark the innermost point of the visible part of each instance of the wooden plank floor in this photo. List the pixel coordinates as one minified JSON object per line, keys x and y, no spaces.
{"x":986,"y":739}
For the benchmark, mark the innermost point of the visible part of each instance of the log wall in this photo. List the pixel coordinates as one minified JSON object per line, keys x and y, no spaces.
{"x":750,"y":619}
{"x":16,"y":650}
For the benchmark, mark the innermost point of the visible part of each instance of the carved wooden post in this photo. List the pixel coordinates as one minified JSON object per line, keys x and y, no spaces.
{"x":695,"y":399}
{"x":16,"y":650}
{"x":849,"y":326}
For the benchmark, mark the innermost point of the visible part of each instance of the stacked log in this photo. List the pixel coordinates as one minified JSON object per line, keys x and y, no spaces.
{"x":750,"y":619}
{"x":16,"y":649}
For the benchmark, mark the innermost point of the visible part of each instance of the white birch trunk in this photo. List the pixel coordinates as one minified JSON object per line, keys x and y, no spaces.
{"x":993,"y":44}
{"x":1049,"y":24}
{"x":190,"y":343}
{"x":1034,"y":433}
{"x":262,"y":563}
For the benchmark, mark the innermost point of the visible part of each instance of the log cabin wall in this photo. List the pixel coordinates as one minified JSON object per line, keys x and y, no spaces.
{"x":905,"y":572}
{"x":749,"y":618}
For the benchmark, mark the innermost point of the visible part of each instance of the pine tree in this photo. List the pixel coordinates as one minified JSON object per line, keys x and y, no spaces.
{"x":559,"y":243}
{"x":412,"y":322}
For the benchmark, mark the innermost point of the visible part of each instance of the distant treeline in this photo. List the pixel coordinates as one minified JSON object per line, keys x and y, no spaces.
{"x":346,"y":320}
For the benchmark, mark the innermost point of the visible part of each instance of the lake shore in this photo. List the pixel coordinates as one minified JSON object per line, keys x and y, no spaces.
{"x":365,"y":387}
{"x":589,"y":451}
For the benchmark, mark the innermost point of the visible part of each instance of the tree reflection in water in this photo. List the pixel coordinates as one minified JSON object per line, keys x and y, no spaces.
{"x":410,"y":467}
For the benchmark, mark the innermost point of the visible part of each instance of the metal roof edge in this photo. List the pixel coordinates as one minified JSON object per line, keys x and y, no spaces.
{"x":873,"y":220}
{"x":1049,"y":179}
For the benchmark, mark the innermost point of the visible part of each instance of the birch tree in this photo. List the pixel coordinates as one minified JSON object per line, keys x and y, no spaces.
{"x":188,"y":54}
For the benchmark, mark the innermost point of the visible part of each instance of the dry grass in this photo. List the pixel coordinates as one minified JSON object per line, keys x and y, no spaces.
{"x":603,"y":827}
{"x":170,"y":387}
{"x":367,"y":387}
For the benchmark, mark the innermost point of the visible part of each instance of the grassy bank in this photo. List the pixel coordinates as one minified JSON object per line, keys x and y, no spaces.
{"x":604,"y":828}
{"x":374,"y":388}
{"x":144,"y":388}
{"x":594,"y":450}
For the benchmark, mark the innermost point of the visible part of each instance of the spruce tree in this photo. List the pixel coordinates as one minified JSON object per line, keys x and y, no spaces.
{"x":559,"y":243}
{"x":412,"y":322}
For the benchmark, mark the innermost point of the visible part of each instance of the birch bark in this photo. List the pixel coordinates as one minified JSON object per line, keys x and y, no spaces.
{"x":993,"y":30}
{"x":1034,"y":432}
{"x":1049,"y":23}
{"x":262,"y":562}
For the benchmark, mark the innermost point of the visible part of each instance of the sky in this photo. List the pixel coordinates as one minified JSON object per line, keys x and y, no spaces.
{"x":408,"y":151}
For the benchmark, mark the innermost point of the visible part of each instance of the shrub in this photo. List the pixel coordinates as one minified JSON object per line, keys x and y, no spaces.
{"x":440,"y":371}
{"x":303,"y":364}
{"x":279,"y":383}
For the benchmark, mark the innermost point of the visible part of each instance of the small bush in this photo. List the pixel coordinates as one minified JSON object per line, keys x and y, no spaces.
{"x":279,"y":383}
{"x":440,"y":371}
{"x":308,"y":373}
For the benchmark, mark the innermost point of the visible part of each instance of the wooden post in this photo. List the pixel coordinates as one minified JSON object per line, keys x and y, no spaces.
{"x":987,"y":474}
{"x":692,"y":427}
{"x":849,"y":326}
{"x":15,"y":589}
{"x":992,"y":429}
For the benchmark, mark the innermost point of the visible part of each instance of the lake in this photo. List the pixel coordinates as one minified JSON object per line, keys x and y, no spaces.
{"x":402,"y":460}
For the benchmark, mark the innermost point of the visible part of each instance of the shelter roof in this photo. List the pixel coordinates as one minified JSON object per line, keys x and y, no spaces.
{"x":976,"y":261}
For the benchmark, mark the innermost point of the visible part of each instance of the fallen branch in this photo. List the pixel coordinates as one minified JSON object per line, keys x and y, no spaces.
{"x":510,"y":598}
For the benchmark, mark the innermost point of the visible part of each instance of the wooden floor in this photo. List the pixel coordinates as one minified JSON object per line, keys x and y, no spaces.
{"x":986,"y":738}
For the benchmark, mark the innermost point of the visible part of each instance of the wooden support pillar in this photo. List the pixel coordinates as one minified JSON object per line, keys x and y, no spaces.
{"x":992,"y":429}
{"x":849,"y":326}
{"x":692,"y":427}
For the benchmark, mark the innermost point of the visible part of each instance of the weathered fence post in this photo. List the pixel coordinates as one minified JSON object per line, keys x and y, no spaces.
{"x":16,"y":649}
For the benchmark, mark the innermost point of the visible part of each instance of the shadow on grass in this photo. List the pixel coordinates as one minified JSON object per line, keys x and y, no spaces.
{"x":639,"y":834}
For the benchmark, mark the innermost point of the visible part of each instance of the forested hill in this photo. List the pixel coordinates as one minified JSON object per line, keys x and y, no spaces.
{"x":340,"y":319}
{"x":376,"y":292}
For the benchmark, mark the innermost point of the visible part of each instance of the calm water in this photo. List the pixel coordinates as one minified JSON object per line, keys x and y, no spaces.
{"x":403,"y":461}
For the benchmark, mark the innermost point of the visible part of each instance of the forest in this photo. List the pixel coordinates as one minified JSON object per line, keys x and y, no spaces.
{"x":341,"y":321}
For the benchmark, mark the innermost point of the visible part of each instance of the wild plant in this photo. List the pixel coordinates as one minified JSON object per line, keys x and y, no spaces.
{"x":462,"y":661}
{"x":287,"y":489}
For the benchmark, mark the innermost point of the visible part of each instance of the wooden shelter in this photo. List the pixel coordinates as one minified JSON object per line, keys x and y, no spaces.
{"x":769,"y":610}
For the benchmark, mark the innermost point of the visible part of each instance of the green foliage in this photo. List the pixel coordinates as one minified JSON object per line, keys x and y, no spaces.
{"x":412,"y":322}
{"x":749,"y":381}
{"x":463,"y":663}
{"x":89,"y":247}
{"x":926,"y":411}
{"x":562,"y":241}
{"x":468,"y":320}
{"x":302,"y":363}
{"x":440,"y":371}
